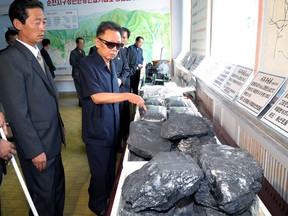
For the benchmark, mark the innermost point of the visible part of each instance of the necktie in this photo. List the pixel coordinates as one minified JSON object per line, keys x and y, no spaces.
{"x":41,"y":62}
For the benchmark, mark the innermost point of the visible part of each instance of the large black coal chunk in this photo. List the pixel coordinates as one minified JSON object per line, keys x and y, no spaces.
{"x":159,"y":184}
{"x":192,"y":145}
{"x":205,"y":140}
{"x":180,"y":126}
{"x":128,"y":211}
{"x":145,"y":141}
{"x":189,"y":145}
{"x":187,"y":206}
{"x":232,"y":178}
{"x":134,"y":157}
{"x":184,"y":207}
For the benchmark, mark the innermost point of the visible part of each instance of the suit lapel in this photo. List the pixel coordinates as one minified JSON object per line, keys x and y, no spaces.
{"x":36,"y":67}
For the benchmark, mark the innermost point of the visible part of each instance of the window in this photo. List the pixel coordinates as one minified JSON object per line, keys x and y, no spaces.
{"x":234,"y":31}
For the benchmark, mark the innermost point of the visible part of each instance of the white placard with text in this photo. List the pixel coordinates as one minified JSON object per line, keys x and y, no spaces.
{"x":236,"y":81}
{"x":277,"y":116}
{"x":260,"y":92}
{"x":59,"y":20}
{"x":220,"y":80}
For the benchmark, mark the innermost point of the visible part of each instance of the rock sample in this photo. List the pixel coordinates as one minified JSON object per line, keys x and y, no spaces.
{"x":232,"y":178}
{"x":145,"y":141}
{"x":134,"y":157}
{"x":189,"y":145}
{"x":192,"y":145}
{"x":187,"y":206}
{"x":180,"y":126}
{"x":153,"y":113}
{"x":175,"y":102}
{"x":186,"y":110}
{"x":157,"y":101}
{"x":128,"y":211}
{"x":204,"y":140}
{"x":159,"y":184}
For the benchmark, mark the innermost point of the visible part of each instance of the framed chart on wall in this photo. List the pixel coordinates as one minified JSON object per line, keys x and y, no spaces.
{"x":274,"y":46}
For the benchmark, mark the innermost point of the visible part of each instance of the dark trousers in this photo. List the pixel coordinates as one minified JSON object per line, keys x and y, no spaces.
{"x":47,"y":188}
{"x":124,"y":110}
{"x":102,"y":168}
{"x":134,"y":82}
{"x":77,"y":87}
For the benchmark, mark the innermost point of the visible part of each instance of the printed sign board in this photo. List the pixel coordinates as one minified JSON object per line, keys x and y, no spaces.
{"x":223,"y":76}
{"x":277,"y":116}
{"x":260,"y":91}
{"x":236,"y":81}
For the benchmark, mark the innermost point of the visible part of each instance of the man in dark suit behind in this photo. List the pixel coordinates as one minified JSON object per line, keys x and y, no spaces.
{"x":46,"y":56}
{"x":10,"y":35}
{"x":125,"y":64}
{"x":135,"y":79}
{"x":74,"y":58}
{"x":30,"y":100}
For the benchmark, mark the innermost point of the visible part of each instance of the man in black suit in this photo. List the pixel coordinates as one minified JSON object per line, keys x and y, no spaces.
{"x":92,"y":49}
{"x":75,"y":56}
{"x":30,"y":100}
{"x":126,"y":65}
{"x":10,"y":35}
{"x":135,"y":79}
{"x":46,"y":56}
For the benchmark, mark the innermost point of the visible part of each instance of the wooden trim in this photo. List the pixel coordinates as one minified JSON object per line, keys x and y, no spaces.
{"x":259,"y":35}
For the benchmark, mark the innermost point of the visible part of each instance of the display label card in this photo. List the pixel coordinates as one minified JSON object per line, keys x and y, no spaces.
{"x":216,"y":68}
{"x":202,"y":67}
{"x":277,"y":116}
{"x":208,"y":69}
{"x":62,"y":19}
{"x":223,"y":76}
{"x":260,"y":92}
{"x":197,"y":62}
{"x":184,"y":60}
{"x":235,"y":82}
{"x":180,"y":56}
{"x":190,"y":61}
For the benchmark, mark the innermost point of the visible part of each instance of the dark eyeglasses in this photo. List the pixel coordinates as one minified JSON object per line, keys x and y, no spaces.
{"x":111,"y":45}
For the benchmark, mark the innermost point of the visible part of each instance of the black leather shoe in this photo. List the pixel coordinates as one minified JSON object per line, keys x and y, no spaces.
{"x":101,"y":213}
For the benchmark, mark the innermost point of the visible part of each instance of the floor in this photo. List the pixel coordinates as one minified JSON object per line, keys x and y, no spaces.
{"x":13,"y":201}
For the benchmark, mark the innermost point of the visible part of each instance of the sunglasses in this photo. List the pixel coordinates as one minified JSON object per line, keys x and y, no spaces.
{"x":111,"y":45}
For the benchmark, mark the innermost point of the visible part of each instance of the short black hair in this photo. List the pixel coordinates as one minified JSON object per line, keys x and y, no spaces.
{"x":107,"y":25}
{"x":9,"y":32}
{"x":18,"y":9}
{"x":45,"y":42}
{"x":78,"y":39}
{"x":139,"y":37}
{"x":123,"y":29}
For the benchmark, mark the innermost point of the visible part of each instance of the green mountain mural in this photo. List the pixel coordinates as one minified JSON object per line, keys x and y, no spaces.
{"x":154,"y":27}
